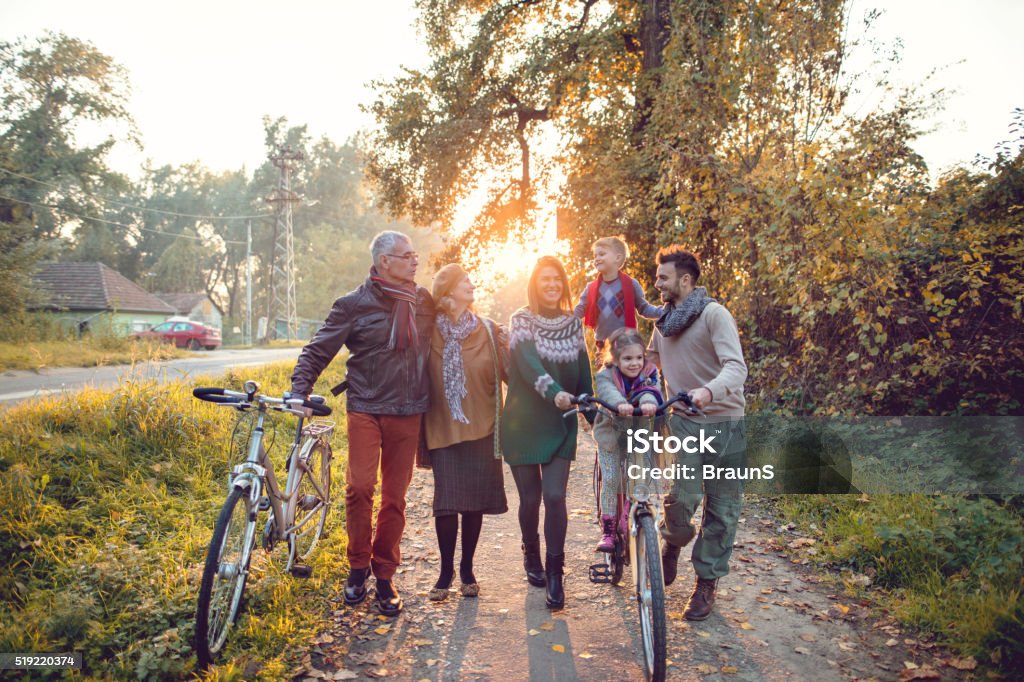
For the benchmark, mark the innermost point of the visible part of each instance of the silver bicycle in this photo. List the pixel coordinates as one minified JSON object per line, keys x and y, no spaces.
{"x":297,"y":514}
{"x":637,"y":540}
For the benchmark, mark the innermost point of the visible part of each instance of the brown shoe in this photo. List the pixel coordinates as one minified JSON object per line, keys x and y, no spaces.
{"x":702,"y":599}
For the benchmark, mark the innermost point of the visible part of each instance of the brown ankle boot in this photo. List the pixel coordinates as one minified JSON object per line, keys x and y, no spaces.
{"x":702,"y":599}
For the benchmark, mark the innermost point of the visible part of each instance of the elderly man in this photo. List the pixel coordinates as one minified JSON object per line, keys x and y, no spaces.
{"x":697,"y":346}
{"x":386,"y":323}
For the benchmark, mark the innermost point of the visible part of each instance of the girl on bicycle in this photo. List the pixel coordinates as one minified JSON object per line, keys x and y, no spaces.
{"x":627,"y":380}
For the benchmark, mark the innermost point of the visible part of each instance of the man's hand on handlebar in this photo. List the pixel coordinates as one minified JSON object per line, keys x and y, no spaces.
{"x":701,"y":397}
{"x":626,"y":409}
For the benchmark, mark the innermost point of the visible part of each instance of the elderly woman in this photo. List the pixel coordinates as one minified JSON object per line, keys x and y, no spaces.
{"x":549,"y":365}
{"x":466,"y":370}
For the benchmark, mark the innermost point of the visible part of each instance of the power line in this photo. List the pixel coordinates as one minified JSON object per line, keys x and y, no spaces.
{"x":111,"y":222}
{"x":138,"y":208}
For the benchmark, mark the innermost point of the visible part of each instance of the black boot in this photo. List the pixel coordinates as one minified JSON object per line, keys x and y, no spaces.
{"x":669,"y":562}
{"x":531,"y":562}
{"x":556,"y":594}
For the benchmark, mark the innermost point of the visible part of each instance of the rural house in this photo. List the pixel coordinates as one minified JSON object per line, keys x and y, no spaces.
{"x":197,"y":307}
{"x":91,"y":296}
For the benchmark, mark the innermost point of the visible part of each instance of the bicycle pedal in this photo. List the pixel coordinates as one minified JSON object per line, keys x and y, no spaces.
{"x":301,"y":570}
{"x":600,"y":573}
{"x":264,"y":504}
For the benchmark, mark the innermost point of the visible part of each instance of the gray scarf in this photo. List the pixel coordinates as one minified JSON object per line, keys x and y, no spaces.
{"x":452,"y":369}
{"x":677,"y":318}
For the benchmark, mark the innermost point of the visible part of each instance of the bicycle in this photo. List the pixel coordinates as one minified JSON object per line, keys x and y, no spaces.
{"x":640,"y":535}
{"x":252,"y":488}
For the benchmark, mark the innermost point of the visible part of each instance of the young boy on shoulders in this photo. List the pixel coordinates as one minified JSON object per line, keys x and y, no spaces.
{"x":613,"y":299}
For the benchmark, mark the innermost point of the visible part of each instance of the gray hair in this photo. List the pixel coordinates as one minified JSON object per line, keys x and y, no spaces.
{"x":384,"y":242}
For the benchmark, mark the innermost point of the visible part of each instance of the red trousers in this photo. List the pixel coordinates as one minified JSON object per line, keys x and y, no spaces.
{"x":388,"y":443}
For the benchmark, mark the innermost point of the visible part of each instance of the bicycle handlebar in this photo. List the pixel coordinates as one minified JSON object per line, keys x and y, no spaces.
{"x":223,"y":396}
{"x":586,"y":402}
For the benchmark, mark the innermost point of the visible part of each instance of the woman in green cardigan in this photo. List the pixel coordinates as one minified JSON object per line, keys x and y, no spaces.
{"x":549,"y":366}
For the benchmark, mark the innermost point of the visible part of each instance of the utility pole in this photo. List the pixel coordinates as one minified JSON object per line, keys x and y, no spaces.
{"x":248,"y":284}
{"x":281,"y":302}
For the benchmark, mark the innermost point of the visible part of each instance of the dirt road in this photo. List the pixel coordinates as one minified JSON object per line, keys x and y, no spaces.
{"x":773,"y":620}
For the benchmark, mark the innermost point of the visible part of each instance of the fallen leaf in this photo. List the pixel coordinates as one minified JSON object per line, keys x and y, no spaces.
{"x":729,"y":669}
{"x":706,"y":669}
{"x":586,"y":655}
{"x":922,"y":673}
{"x":910,"y":665}
{"x":746,"y":626}
{"x":963,"y":663}
{"x":533,"y":633}
{"x":377,"y":673}
{"x":892,"y":641}
{"x":422,"y":642}
{"x":383,"y":630}
{"x":345,"y":675}
{"x":802,"y":650}
{"x":801,"y":542}
{"x":808,"y":637}
{"x":548,"y":626}
{"x":558,"y":648}
{"x":368,"y":658}
{"x":431,"y":662}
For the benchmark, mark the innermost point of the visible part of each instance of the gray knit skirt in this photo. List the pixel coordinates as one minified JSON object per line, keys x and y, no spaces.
{"x":467,"y":478}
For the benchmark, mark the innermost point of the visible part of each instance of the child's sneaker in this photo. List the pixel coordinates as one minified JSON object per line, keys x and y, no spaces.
{"x":607,"y":543}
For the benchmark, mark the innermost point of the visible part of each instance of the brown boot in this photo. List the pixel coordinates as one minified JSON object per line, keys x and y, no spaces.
{"x":702,"y":599}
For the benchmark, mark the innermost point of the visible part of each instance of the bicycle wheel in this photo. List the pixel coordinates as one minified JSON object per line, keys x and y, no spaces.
{"x":313,"y":501}
{"x":227,"y":566}
{"x":650,"y":593}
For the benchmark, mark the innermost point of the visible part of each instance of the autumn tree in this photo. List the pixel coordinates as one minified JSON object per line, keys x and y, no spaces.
{"x":51,"y":176}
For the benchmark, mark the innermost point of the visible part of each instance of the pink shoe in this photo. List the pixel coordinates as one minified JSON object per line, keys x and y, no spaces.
{"x":607,"y":543}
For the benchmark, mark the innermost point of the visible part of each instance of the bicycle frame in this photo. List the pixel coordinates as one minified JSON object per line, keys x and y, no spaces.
{"x":258,"y":469}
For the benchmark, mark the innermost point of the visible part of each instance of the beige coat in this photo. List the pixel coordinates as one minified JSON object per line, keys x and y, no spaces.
{"x":479,"y":405}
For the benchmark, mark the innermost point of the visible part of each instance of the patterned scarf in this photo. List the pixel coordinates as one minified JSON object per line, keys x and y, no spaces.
{"x":677,"y":318}
{"x":403,"y":324}
{"x":452,"y":369}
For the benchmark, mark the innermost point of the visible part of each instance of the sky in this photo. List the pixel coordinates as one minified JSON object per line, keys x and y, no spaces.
{"x":205,"y":73}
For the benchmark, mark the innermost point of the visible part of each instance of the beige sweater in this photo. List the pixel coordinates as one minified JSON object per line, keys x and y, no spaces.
{"x":707,"y":355}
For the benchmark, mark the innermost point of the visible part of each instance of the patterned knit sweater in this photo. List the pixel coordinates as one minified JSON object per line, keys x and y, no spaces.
{"x":548,"y":355}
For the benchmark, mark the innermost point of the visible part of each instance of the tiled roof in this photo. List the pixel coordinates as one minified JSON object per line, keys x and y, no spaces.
{"x":184,"y":303}
{"x":94,"y":286}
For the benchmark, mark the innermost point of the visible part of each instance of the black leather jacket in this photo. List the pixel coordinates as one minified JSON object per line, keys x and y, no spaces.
{"x":379,"y":381}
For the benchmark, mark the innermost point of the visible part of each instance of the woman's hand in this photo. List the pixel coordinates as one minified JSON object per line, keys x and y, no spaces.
{"x":563,"y":400}
{"x":625,"y":409}
{"x":648,"y":409}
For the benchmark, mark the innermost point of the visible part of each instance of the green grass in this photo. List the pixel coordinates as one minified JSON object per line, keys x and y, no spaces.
{"x":951,"y":566}
{"x":109,"y":502}
{"x":87,"y":352}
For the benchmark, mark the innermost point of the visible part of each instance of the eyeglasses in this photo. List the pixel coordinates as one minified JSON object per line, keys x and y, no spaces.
{"x":405,"y":256}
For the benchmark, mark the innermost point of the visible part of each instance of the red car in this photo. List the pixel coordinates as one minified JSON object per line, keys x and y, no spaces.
{"x":184,"y":334}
